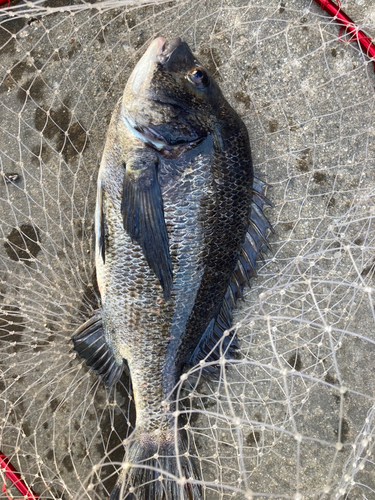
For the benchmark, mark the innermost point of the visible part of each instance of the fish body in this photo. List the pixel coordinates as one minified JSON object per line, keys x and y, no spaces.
{"x":173,"y":250}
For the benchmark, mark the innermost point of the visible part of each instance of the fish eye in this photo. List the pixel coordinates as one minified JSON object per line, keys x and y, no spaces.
{"x":198,"y":77}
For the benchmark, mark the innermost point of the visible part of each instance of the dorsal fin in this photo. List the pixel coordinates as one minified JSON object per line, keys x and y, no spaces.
{"x":256,"y":238}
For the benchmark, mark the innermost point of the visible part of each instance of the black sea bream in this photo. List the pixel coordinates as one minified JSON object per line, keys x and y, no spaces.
{"x":178,"y":225}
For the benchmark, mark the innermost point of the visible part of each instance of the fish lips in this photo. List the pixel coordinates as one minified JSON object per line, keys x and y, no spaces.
{"x":176,"y":56}
{"x":165,"y":55}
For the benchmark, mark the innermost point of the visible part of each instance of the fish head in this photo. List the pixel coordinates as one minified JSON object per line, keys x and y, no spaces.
{"x":170,"y":99}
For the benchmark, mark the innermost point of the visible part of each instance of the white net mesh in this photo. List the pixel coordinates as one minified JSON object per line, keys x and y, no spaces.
{"x":293,"y":416}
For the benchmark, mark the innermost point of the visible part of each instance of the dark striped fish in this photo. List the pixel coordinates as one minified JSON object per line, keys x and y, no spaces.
{"x":179,"y":222}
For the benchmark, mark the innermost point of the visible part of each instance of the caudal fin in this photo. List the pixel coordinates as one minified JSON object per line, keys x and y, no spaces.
{"x":154,"y":471}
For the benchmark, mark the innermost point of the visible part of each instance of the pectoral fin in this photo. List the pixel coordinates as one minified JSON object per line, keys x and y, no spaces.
{"x":143,"y":215}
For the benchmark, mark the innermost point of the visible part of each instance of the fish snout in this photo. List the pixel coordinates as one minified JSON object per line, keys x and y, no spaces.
{"x":144,"y":69}
{"x":168,"y":51}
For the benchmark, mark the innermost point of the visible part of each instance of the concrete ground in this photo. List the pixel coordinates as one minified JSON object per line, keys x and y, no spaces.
{"x":292,"y":417}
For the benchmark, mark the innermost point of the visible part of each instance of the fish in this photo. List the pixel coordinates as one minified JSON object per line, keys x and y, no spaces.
{"x":179,"y":223}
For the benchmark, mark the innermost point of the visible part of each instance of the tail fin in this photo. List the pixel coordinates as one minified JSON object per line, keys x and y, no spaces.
{"x":154,"y":471}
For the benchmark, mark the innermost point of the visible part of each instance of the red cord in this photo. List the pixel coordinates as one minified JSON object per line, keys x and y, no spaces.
{"x":356,"y":34}
{"x":14,"y":476}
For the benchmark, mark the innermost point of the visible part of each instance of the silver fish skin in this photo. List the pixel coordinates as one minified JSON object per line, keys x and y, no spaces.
{"x":178,"y":225}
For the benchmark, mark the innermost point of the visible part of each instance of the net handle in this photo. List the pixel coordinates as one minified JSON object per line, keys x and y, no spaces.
{"x":14,"y":476}
{"x":339,"y":15}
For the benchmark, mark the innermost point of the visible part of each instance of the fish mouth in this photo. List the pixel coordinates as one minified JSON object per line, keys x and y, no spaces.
{"x":166,"y":52}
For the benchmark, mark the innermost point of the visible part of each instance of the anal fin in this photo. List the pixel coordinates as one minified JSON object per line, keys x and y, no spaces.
{"x":209,"y":348}
{"x":91,"y":345}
